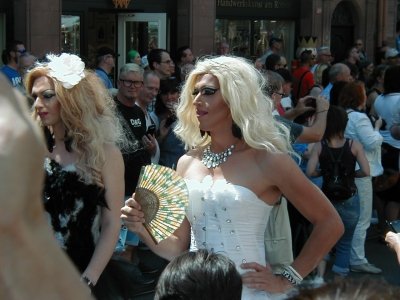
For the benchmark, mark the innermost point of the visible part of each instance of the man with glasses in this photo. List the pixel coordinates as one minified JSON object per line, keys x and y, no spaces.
{"x":130,"y":84}
{"x":10,"y":58}
{"x":105,"y":59}
{"x":160,"y":62}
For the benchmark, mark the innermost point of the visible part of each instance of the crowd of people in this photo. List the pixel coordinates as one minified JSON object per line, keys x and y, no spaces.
{"x":253,"y":140}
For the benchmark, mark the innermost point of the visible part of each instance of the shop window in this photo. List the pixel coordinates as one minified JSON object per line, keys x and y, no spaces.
{"x":70,"y":34}
{"x":249,"y":38}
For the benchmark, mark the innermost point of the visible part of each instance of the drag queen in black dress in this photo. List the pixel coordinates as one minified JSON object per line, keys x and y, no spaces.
{"x":84,"y":186}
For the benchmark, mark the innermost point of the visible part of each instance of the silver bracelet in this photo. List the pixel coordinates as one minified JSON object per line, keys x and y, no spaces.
{"x":291,"y":275}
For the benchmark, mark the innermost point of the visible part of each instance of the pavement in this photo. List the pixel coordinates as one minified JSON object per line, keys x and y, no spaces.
{"x":379,"y":254}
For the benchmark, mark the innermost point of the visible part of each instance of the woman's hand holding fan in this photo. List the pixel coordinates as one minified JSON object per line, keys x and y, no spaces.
{"x":160,"y":201}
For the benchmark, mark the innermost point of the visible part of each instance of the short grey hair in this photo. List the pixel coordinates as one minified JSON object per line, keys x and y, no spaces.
{"x":131,"y":67}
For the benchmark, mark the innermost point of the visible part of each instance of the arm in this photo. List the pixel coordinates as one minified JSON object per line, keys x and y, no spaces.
{"x":368,"y":136}
{"x":313,"y":205}
{"x":113,"y":178}
{"x":315,"y":132}
{"x":362,"y":161}
{"x":169,"y":248}
{"x":298,"y":110}
{"x":313,"y":161}
{"x":283,"y":175}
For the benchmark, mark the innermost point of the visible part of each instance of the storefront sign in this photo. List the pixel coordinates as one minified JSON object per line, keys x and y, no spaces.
{"x":255,"y":3}
{"x":266,"y":8}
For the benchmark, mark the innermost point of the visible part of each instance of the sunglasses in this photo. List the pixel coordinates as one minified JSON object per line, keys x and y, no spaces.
{"x":21,"y":51}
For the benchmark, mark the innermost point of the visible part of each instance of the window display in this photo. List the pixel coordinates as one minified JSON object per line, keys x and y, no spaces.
{"x":70,"y":34}
{"x":249,"y":38}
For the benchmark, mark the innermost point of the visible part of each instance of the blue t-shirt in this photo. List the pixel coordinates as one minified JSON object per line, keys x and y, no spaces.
{"x":104,"y":77}
{"x":13,"y":75}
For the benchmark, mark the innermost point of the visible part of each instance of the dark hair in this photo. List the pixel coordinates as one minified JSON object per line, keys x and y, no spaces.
{"x":200,"y":275}
{"x":306,"y":56}
{"x":271,"y":61}
{"x":285,"y":73}
{"x":155,"y":56}
{"x":336,"y":122}
{"x":354,"y":70}
{"x":11,"y":46}
{"x":179,"y":52}
{"x":166,"y":86}
{"x":325,"y":77}
{"x":334,"y":94}
{"x":352,"y":95}
{"x":391,"y":80}
{"x":378,"y":71}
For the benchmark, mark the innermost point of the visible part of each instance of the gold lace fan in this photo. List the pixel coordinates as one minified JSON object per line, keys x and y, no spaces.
{"x":163,"y":196}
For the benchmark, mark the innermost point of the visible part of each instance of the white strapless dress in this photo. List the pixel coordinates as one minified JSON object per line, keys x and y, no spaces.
{"x":229,"y":219}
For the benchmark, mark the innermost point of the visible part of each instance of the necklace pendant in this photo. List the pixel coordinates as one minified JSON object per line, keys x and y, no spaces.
{"x":213,"y":160}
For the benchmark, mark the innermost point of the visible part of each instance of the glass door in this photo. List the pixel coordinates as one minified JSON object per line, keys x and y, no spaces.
{"x":141,"y":32}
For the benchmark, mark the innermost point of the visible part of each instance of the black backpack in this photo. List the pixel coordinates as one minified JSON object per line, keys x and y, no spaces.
{"x":338,"y":183}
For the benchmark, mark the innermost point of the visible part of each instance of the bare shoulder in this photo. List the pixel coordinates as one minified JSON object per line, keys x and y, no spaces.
{"x":187,"y":159}
{"x":112,"y":150}
{"x":274,"y":165}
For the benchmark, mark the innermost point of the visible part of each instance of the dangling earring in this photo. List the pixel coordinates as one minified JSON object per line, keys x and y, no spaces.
{"x":67,"y":142}
{"x":236,"y":131}
{"x":49,"y":139}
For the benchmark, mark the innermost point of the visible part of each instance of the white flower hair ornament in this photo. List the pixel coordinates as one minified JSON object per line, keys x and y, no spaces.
{"x":66,"y":68}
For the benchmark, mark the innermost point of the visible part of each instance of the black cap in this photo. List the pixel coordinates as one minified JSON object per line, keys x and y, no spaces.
{"x":105,"y":51}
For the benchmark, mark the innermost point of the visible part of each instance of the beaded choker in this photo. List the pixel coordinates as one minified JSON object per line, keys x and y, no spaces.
{"x":213,"y":160}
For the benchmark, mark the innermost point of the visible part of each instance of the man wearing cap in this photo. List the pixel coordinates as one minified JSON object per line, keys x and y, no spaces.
{"x":392,"y":57}
{"x":105,"y":59}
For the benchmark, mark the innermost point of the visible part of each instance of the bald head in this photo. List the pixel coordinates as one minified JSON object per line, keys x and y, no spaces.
{"x":339,"y":72}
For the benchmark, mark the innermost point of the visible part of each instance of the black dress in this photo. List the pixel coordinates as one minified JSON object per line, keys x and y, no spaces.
{"x":74,"y":209}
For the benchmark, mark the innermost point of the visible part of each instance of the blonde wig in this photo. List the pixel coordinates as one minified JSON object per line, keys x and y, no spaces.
{"x":88,"y":114}
{"x":242,"y":88}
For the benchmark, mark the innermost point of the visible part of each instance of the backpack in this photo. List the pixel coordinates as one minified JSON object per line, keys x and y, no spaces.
{"x":338,"y":183}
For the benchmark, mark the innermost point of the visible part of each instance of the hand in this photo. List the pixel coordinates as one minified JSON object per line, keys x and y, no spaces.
{"x":393,"y":240}
{"x":262,"y":278}
{"x":378,"y":123}
{"x":150,"y":143}
{"x":132,"y":216}
{"x":301,"y":106}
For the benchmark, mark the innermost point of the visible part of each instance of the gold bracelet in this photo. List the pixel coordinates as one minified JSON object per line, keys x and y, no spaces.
{"x":321,"y":111}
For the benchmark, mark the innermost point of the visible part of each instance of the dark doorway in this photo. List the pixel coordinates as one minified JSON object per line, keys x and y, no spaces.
{"x":342,"y":30}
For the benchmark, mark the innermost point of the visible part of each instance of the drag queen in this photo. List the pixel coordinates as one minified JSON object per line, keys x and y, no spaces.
{"x":237,"y":168}
{"x":84,"y":186}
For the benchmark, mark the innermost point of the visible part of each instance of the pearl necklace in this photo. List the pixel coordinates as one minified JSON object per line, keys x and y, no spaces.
{"x":213,"y":160}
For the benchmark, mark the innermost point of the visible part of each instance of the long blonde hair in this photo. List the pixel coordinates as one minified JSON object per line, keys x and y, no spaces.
{"x":88,"y":114}
{"x":242,"y":88}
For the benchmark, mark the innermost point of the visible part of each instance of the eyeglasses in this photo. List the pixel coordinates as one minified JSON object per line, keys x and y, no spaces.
{"x":207,"y":91}
{"x":21,"y":51}
{"x":169,"y":62}
{"x":128,"y":83}
{"x":280,"y":94}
